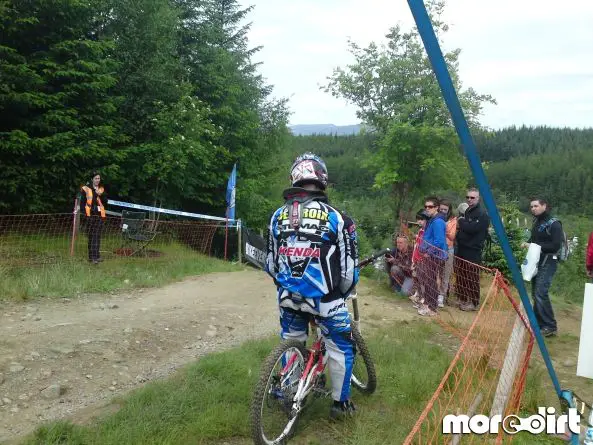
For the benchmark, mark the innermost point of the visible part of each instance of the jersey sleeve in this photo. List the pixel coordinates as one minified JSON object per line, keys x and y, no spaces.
{"x":348,"y":247}
{"x":272,"y":247}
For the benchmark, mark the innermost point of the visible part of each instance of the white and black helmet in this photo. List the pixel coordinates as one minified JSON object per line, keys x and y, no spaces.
{"x":308,"y":168}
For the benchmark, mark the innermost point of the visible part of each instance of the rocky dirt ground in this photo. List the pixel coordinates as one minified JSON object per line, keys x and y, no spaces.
{"x":66,"y":358}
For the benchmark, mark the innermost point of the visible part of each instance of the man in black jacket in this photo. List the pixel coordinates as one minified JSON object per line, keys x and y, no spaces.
{"x":548,"y":233}
{"x":472,"y":228}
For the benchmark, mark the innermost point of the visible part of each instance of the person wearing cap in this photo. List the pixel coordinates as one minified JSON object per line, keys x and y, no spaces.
{"x":472,"y":229}
{"x":93,"y":211}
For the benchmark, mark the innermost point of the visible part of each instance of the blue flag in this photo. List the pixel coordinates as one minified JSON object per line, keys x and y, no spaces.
{"x":230,"y":193}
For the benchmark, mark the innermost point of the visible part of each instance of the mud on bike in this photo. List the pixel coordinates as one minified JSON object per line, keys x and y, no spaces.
{"x":292,"y":375}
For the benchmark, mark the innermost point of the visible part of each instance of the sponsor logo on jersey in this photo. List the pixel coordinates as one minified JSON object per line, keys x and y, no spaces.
{"x":317,"y":214}
{"x":300,"y":251}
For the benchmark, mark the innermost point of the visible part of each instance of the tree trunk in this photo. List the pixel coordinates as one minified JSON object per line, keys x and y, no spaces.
{"x":400,"y":194}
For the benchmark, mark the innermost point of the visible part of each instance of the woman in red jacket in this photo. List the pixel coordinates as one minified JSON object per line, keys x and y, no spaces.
{"x":589,"y":261}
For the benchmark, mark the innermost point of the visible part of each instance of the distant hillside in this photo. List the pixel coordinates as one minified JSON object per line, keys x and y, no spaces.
{"x":310,"y":129}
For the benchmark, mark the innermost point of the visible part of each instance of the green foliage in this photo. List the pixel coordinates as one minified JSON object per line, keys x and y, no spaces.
{"x":183,"y":146}
{"x":569,"y":282}
{"x":513,"y":141}
{"x":160,"y":96}
{"x":149,"y":74}
{"x":563,"y":178}
{"x":416,"y":160}
{"x":217,"y":60}
{"x":494,"y":256}
{"x":56,"y":102}
{"x":395,"y":89}
{"x":394,"y":82}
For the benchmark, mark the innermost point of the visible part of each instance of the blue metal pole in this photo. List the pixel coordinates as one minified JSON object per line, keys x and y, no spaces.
{"x":439,"y":66}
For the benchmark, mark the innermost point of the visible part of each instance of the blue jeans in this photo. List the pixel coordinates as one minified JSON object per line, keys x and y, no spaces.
{"x":541,"y":297}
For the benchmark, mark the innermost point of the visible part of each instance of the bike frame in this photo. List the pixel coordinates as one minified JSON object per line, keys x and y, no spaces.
{"x":316,"y":361}
{"x":314,"y":367}
{"x":316,"y":364}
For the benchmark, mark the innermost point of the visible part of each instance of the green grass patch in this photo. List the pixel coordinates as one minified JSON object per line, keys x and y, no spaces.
{"x":69,"y":277}
{"x":208,"y":402}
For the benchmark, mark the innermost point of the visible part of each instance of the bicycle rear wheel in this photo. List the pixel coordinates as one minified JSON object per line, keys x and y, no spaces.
{"x":272,"y":417}
{"x":364,"y":377}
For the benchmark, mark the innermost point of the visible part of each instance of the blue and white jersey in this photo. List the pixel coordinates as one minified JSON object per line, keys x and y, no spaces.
{"x":312,"y":252}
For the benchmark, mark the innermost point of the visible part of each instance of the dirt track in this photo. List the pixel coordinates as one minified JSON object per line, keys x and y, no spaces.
{"x":67,"y":358}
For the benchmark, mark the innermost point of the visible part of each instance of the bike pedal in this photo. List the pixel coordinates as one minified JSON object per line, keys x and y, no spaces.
{"x":277,"y":393}
{"x":320,"y":392}
{"x":321,"y":381}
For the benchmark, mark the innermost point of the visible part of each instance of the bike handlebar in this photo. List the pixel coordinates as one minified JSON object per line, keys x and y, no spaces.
{"x":373,"y":257}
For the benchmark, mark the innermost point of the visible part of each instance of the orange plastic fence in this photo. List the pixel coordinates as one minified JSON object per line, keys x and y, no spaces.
{"x":487,"y":374}
{"x":50,"y":238}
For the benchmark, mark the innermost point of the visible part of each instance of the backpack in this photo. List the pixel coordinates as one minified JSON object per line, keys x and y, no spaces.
{"x":564,"y":251}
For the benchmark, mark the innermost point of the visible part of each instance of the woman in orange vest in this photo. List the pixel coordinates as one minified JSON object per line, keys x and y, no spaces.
{"x":93,"y":210}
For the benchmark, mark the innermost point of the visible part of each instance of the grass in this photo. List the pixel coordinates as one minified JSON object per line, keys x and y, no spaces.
{"x":65,"y":277}
{"x":208,"y":402}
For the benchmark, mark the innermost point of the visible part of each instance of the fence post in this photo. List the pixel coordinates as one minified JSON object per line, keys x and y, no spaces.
{"x":510,"y":366}
{"x":75,"y":217}
{"x":239,"y":246}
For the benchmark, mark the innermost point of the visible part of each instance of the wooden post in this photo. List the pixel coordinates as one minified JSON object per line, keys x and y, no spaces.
{"x":75,"y":220}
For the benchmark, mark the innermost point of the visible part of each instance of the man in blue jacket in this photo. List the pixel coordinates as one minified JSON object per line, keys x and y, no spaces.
{"x":434,"y":250}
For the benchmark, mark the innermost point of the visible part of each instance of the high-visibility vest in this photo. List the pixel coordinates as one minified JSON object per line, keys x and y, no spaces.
{"x":89,"y":201}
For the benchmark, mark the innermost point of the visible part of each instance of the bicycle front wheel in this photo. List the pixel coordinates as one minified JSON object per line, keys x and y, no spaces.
{"x":272,"y":416}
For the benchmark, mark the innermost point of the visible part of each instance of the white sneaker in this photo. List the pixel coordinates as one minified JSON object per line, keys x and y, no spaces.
{"x":441,"y":301}
{"x":426,"y":311}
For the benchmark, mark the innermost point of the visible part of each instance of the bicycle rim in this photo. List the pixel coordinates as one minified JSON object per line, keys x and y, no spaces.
{"x":272,"y":414}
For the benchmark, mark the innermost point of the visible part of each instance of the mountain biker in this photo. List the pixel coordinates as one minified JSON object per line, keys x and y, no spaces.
{"x":312,"y":256}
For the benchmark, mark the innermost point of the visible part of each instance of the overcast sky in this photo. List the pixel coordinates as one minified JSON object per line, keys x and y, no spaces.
{"x":534,"y":57}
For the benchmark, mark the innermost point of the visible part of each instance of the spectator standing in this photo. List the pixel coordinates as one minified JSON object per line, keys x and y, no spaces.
{"x":434,"y":252}
{"x":546,"y":232}
{"x":451,"y":233}
{"x":91,"y":204}
{"x":416,"y":297}
{"x":472,"y":229}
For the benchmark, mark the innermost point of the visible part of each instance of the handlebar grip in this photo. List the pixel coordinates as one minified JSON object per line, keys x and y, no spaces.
{"x":374,"y":257}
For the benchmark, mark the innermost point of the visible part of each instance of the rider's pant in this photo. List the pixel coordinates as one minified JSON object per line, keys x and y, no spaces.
{"x":334,"y":321}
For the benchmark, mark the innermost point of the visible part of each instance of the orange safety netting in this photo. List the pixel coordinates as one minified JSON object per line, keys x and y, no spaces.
{"x":487,"y":374}
{"x":50,"y":238}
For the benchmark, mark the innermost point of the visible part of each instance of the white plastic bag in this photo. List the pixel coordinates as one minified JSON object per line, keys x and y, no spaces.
{"x":529,"y":266}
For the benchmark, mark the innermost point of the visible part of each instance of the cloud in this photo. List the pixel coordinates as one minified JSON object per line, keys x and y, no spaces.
{"x":532,"y":56}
